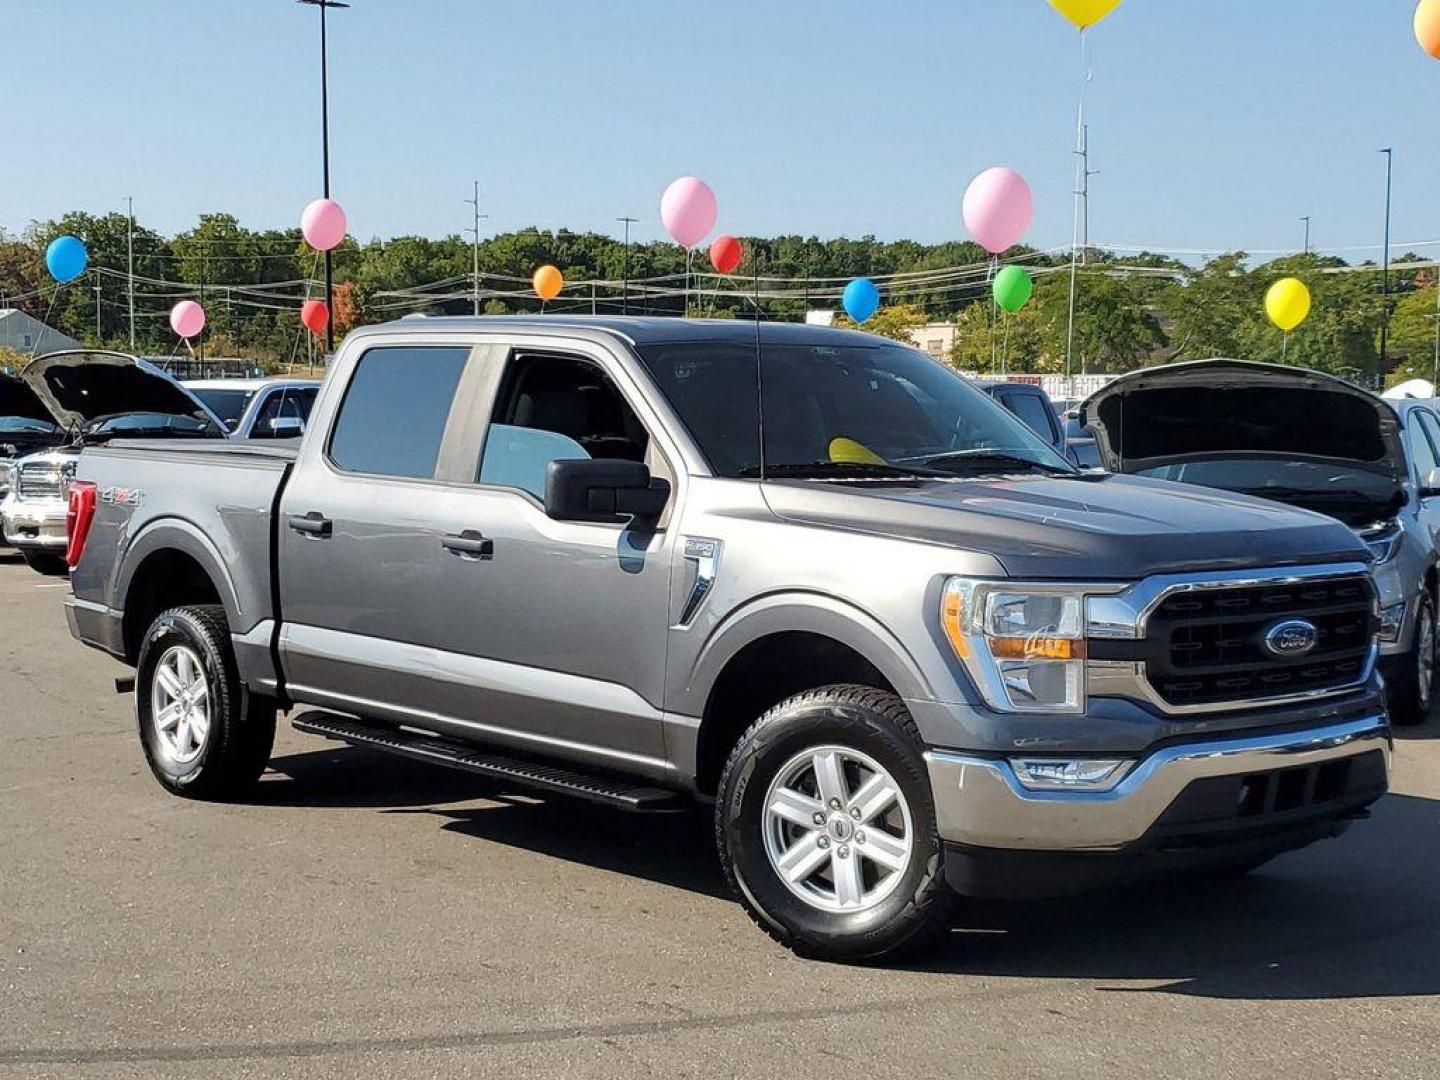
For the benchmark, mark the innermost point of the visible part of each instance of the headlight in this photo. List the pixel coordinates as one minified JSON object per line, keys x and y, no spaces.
{"x":1024,"y":645}
{"x":1392,"y":619}
{"x":1384,"y":544}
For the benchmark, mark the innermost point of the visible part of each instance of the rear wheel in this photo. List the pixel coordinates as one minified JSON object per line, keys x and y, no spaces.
{"x":204,"y":735}
{"x":44,"y":562}
{"x":1412,"y":691}
{"x":826,"y":826}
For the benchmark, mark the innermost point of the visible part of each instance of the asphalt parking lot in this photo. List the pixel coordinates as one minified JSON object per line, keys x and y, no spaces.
{"x":367,"y":916}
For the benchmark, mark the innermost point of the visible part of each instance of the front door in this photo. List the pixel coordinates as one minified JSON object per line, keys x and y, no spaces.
{"x":552,"y":634}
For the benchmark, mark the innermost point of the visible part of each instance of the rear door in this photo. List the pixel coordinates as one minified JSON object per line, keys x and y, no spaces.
{"x":360,"y":529}
{"x":1423,"y":443}
{"x":552,"y":633}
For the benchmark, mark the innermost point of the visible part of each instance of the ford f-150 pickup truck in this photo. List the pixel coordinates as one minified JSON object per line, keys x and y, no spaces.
{"x":812,"y":576}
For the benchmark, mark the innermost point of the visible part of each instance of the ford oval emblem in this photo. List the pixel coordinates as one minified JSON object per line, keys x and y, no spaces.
{"x":1293,"y":637}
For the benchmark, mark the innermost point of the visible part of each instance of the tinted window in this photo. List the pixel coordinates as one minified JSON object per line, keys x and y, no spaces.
{"x":856,"y":407}
{"x":1030,"y":408}
{"x":393,"y":417}
{"x":555,"y":408}
{"x":1422,"y":452}
{"x":228,"y":405}
{"x":291,"y":403}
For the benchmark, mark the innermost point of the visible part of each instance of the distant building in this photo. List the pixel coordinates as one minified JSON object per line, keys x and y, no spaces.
{"x":934,"y":338}
{"x":22,"y":333}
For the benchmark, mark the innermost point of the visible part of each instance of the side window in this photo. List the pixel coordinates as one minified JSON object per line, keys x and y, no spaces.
{"x":1424,"y":438}
{"x":1029,"y":408}
{"x":290,"y":403}
{"x":393,"y":417}
{"x":556,"y":408}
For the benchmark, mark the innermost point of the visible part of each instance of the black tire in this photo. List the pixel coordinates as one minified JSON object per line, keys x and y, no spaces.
{"x":877,"y":725}
{"x":1410,"y":696}
{"x":45,"y":562}
{"x":241,"y":729}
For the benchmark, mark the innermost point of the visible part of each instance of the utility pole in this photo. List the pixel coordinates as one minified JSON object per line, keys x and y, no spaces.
{"x":475,"y":251}
{"x":1085,"y":173}
{"x":98,"y":338}
{"x":325,"y":159}
{"x":625,"y":295}
{"x":1306,"y":220}
{"x":130,"y":266}
{"x":1389,"y":153}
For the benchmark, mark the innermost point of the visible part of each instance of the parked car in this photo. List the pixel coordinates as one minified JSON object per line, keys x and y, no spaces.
{"x":258,"y":408}
{"x":809,"y":575}
{"x":25,"y":427}
{"x":1080,"y":441}
{"x":1308,"y":440}
{"x":90,"y":397}
{"x":1032,"y":405}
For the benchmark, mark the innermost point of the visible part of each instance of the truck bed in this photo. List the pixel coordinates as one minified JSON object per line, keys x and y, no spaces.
{"x":209,"y":500}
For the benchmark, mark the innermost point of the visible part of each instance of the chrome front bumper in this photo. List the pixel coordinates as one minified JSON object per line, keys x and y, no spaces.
{"x":980,"y":801}
{"x":34,"y":524}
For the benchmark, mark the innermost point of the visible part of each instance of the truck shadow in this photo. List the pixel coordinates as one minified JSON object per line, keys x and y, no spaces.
{"x":1354,"y":917}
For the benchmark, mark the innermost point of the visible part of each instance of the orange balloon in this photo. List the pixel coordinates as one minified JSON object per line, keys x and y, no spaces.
{"x":548,"y":282}
{"x":1427,"y":26}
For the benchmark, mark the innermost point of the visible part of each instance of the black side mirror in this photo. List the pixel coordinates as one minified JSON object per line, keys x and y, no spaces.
{"x":603,"y":490}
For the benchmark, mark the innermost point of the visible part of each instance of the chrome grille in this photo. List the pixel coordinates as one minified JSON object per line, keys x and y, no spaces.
{"x":1207,"y":647}
{"x":40,"y":481}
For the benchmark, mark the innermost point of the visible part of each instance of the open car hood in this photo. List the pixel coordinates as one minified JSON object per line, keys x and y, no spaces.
{"x":1235,"y":410}
{"x":84,"y":385}
{"x":18,"y":398}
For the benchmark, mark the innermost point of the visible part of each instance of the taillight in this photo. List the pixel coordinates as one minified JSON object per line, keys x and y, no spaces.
{"x":78,"y":516}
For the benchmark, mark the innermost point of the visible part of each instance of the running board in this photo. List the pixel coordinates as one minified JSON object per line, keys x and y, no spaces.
{"x":611,"y":791}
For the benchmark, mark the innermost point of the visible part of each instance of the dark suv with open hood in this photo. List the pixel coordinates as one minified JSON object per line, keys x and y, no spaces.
{"x":63,"y":402}
{"x":1312,"y":441}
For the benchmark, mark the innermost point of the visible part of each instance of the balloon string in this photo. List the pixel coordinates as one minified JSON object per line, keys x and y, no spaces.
{"x":994,"y":306}
{"x":45,"y":323}
{"x":1005,"y":353}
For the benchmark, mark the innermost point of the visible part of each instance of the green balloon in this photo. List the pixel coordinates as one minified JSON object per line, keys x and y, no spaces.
{"x":1012,"y":287}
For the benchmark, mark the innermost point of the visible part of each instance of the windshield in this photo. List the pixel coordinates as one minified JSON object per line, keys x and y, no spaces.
{"x":26,"y":424}
{"x":150,"y":425}
{"x":867,"y":409}
{"x":1347,"y":492}
{"x":228,"y":404}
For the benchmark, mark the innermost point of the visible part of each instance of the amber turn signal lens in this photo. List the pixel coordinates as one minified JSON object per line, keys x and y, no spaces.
{"x":952,"y":617}
{"x":1037,"y":648}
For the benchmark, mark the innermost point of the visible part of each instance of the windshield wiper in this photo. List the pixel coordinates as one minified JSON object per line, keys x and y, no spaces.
{"x":985,"y":459}
{"x":824,"y":469}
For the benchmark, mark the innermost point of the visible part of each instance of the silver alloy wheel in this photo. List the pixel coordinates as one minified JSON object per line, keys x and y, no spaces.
{"x":180,"y":704}
{"x":1425,"y":657}
{"x":837,"y":829}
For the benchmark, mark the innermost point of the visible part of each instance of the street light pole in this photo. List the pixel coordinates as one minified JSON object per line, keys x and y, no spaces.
{"x":625,"y":294}
{"x":325,"y":159}
{"x":1306,"y":220}
{"x":1385,"y":270}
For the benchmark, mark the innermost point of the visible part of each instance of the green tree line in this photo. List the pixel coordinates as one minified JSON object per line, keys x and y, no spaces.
{"x":1128,"y":311}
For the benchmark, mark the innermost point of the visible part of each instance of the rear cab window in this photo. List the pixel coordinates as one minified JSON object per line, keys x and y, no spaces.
{"x":392,"y":420}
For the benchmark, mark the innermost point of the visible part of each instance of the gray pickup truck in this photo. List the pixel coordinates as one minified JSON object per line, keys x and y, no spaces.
{"x":814,"y":577}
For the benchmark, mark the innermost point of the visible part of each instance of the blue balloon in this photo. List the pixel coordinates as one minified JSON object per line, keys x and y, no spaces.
{"x":861,"y":299}
{"x":66,"y":258}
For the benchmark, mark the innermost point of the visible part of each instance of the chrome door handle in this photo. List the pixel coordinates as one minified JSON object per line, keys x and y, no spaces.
{"x":470,"y":544}
{"x":312,"y":524}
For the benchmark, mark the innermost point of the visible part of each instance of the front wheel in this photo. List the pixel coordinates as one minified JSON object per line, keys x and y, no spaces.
{"x":204,"y":735}
{"x":1412,"y":691}
{"x":826,"y":826}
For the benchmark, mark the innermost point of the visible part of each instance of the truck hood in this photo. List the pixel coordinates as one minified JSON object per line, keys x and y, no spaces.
{"x":1213,"y":410}
{"x":18,"y":400}
{"x":82,"y":386}
{"x":1087,"y":527}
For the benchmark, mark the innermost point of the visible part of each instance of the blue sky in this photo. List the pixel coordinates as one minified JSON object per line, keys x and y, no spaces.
{"x":1215,"y":123}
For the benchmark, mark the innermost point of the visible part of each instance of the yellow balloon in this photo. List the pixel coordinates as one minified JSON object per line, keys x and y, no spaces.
{"x":1084,"y":13}
{"x":1287,"y":303}
{"x":846,"y":449}
{"x":548,"y":282}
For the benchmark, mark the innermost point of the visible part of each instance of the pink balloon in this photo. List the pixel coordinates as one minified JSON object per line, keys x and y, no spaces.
{"x":998,"y":209}
{"x":323,"y":224}
{"x":688,"y":210}
{"x":187,"y":319}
